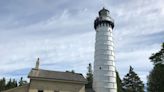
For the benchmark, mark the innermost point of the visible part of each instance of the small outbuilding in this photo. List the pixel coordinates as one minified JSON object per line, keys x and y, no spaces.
{"x":52,"y":81}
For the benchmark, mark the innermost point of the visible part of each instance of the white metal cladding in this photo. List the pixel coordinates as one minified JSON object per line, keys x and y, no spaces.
{"x":111,"y":58}
{"x":111,"y":90}
{"x":104,"y":55}
{"x":109,"y":34}
{"x":106,"y":37}
{"x":104,"y":47}
{"x":102,"y":41}
{"x":110,"y":63}
{"x":105,"y":67}
{"x":109,"y":85}
{"x":111,"y":79}
{"x":101,"y":51}
{"x":110,"y":73}
{"x":109,"y":67}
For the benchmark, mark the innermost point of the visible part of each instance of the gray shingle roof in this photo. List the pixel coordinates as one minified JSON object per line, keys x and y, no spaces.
{"x":56,"y":75}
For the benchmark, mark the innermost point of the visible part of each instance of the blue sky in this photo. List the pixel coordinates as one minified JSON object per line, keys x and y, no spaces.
{"x":61,"y":33}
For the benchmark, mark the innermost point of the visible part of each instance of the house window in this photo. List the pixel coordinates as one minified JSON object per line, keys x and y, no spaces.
{"x":40,"y":90}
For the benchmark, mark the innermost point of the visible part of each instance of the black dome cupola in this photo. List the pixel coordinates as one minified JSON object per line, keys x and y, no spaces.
{"x":104,"y":12}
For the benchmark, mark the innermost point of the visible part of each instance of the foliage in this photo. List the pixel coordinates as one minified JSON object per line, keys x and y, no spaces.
{"x":89,"y":77}
{"x":132,"y":83}
{"x":119,"y":81}
{"x":22,"y":82}
{"x":72,"y":71}
{"x":11,"y":83}
{"x":158,"y":57}
{"x":156,"y":77}
{"x":2,"y":84}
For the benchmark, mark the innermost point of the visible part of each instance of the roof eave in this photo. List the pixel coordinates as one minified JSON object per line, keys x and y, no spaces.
{"x":59,"y":80}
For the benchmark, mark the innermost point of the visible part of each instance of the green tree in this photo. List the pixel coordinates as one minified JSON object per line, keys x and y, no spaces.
{"x":22,"y":82}
{"x":72,"y":71}
{"x":132,"y":83}
{"x":14,"y":83}
{"x":158,"y":58}
{"x":89,"y":77}
{"x":119,"y":83}
{"x":155,"y":81}
{"x":2,"y":84}
{"x":11,"y":84}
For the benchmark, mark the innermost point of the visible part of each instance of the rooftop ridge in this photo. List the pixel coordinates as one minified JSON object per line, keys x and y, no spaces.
{"x":54,"y":71}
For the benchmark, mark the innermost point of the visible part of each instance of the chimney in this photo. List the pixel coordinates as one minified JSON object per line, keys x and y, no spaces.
{"x":37,"y":64}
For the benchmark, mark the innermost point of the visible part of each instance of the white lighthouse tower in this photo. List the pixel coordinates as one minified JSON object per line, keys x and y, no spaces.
{"x":104,"y":76}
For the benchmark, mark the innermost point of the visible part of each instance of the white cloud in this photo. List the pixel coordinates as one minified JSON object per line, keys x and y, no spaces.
{"x":62,"y":35}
